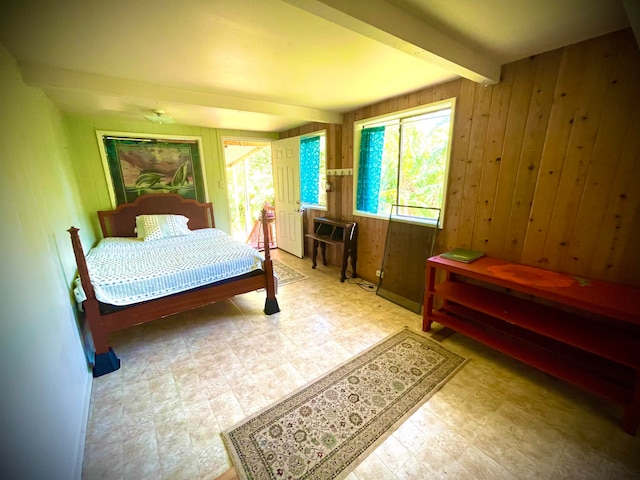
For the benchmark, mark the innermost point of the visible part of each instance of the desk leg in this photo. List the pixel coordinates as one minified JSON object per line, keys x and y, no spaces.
{"x":345,"y":255}
{"x":314,"y":255}
{"x":323,"y":247}
{"x":354,"y":258}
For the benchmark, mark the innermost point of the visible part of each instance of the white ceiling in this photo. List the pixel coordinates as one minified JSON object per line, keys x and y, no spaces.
{"x":270,"y":65}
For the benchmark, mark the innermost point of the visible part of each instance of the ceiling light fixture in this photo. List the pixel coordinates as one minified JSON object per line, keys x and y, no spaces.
{"x":159,"y":117}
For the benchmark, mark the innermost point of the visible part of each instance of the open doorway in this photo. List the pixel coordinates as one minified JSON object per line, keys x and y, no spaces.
{"x":249,"y":189}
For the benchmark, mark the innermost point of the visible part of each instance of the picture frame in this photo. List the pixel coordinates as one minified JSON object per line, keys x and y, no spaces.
{"x":137,"y":163}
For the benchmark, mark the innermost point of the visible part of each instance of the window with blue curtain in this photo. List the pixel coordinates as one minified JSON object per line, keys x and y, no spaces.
{"x":369,"y":168}
{"x":310,"y":169}
{"x":403,"y":159}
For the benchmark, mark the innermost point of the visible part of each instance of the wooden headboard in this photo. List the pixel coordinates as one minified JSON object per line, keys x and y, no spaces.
{"x":121,"y":222}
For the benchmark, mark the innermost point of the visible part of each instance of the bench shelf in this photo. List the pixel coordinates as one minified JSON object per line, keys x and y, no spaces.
{"x":586,"y":332}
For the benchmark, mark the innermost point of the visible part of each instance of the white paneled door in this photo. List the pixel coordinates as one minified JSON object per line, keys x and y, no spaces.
{"x":286,"y":178}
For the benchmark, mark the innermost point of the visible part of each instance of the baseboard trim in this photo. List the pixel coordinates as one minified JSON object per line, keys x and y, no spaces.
{"x":84,"y":424}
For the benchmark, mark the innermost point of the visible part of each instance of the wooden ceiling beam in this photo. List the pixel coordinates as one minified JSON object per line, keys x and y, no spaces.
{"x":388,"y":24}
{"x":44,"y":76}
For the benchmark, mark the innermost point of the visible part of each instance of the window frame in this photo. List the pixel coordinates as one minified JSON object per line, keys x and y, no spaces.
{"x":394,"y":116}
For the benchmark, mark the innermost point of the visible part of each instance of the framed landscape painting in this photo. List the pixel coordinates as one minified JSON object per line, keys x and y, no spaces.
{"x":137,"y":164}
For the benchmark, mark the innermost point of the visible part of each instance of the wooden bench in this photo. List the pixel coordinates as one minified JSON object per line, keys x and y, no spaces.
{"x":584,"y":331}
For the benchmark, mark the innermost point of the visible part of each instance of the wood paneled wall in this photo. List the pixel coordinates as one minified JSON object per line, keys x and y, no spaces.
{"x":545,"y":166}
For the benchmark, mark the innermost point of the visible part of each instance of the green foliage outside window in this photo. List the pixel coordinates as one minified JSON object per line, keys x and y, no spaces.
{"x":250,"y":184}
{"x":414,"y":162}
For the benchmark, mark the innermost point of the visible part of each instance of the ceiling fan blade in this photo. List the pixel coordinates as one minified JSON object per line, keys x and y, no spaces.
{"x":160,"y":118}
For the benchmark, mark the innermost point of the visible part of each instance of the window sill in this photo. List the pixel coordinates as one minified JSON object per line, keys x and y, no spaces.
{"x":427,"y":222}
{"x":308,"y":206}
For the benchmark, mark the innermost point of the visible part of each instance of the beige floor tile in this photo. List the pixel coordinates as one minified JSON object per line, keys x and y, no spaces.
{"x":178,"y":468}
{"x":200,"y":434}
{"x":434,"y":457}
{"x":373,"y":468}
{"x":185,"y":379}
{"x":577,"y":461}
{"x":146,"y":469}
{"x":410,"y":435}
{"x":393,"y":454}
{"x":212,"y":459}
{"x":414,"y":469}
{"x":454,"y":471}
{"x":103,"y":460}
{"x":134,"y":427}
{"x":482,"y":466}
{"x":174,"y":449}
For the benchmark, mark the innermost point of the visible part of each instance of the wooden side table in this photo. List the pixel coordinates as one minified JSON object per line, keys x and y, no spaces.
{"x":584,"y":331}
{"x":332,"y":231}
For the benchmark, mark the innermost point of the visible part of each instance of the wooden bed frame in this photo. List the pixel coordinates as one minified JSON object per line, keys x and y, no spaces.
{"x":121,"y":222}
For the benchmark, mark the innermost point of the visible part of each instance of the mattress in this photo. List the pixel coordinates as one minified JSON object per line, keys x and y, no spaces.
{"x":125,"y":271}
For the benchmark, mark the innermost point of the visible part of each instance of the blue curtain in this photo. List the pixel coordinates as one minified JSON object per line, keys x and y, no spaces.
{"x":369,"y":167}
{"x":309,"y":169}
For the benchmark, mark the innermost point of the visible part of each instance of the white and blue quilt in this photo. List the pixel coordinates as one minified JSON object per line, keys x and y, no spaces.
{"x":125,"y":271}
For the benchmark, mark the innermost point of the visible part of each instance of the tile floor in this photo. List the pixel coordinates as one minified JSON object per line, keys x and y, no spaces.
{"x":186,"y":378}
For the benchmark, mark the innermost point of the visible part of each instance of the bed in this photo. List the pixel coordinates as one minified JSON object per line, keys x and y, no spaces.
{"x":121,"y":229}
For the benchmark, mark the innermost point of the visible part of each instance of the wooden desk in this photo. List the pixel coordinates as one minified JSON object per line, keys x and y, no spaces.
{"x":584,"y":331}
{"x":332,"y":231}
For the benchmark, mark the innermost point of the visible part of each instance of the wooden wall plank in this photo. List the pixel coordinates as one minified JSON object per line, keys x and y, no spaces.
{"x":372,"y":235}
{"x":552,"y":161}
{"x":617,"y":238}
{"x":403,"y":102}
{"x":414,"y":99}
{"x":615,"y":124}
{"x":446,"y":90}
{"x":492,"y":159}
{"x":529,"y":163}
{"x":628,"y":262}
{"x":472,"y":161}
{"x":523,"y":77}
{"x":346,"y":157}
{"x":446,"y":238}
{"x":585,"y":123}
{"x":460,"y":145}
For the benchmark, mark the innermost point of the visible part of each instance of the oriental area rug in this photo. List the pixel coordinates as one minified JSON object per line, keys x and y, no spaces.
{"x":325,"y":429}
{"x":286,"y":274}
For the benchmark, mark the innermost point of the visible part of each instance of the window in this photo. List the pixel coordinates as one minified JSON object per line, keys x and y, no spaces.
{"x":403,"y":159}
{"x":313,"y":170}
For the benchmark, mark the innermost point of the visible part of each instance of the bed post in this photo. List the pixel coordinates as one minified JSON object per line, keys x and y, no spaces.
{"x":106,"y":360}
{"x":271,"y":303}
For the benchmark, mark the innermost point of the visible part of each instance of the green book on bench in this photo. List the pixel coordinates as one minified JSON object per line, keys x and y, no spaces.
{"x":462,"y":255}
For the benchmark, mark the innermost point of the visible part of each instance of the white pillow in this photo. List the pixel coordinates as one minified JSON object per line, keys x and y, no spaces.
{"x":155,"y":227}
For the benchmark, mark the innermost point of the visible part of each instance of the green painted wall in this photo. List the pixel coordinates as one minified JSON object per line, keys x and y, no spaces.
{"x":92,"y":179}
{"x":45,"y":379}
{"x":53,"y":178}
